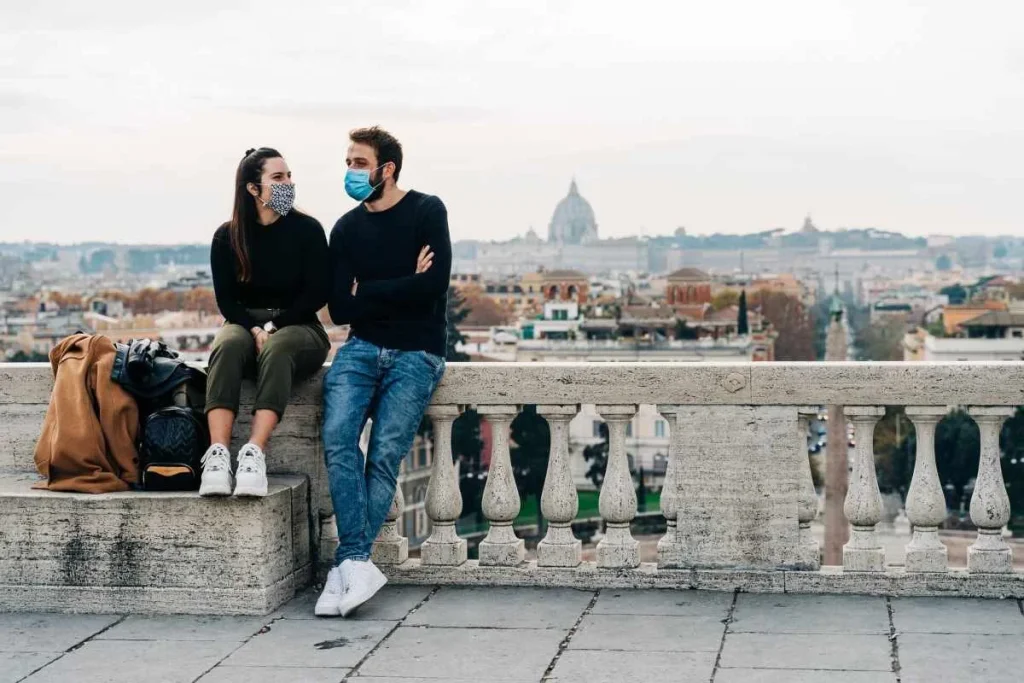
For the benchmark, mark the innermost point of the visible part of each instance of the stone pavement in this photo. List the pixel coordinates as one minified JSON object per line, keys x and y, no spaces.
{"x":536,"y":634}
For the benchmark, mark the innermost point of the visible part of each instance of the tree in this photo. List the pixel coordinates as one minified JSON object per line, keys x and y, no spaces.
{"x":957,"y":294}
{"x":725,"y":299}
{"x":531,"y":439}
{"x":881,"y":340}
{"x":944,"y":263}
{"x":597,"y":455}
{"x":957,"y":450}
{"x":684,"y":331}
{"x":20,"y":356}
{"x":1000,"y":251}
{"x":483,"y":311}
{"x":742,"y":324}
{"x":791,"y":322}
{"x":457,"y":312}
{"x":895,"y":448}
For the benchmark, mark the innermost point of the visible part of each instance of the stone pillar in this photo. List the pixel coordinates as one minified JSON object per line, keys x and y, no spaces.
{"x":926,"y":506}
{"x":618,"y":548}
{"x":444,"y":500}
{"x":559,"y":502}
{"x":668,"y":545}
{"x":863,"y":507}
{"x":837,"y":463}
{"x":501,"y":501}
{"x":807,"y":500}
{"x":390,"y":547}
{"x":990,"y":506}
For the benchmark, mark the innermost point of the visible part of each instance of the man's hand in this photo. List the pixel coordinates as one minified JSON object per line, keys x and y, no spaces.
{"x":425,"y":260}
{"x":355,"y":286}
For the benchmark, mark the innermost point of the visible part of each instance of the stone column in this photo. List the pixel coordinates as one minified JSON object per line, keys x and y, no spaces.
{"x":863,"y":507}
{"x":444,"y":500}
{"x":559,"y":502}
{"x":618,"y":548}
{"x":926,"y":506}
{"x":990,"y":506}
{"x":390,"y":547}
{"x":668,"y":545}
{"x":501,"y":501}
{"x":807,"y":500}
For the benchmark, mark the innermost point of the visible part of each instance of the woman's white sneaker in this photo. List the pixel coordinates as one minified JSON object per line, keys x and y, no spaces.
{"x":216,"y":479}
{"x":362,"y":581}
{"x":251,"y":476}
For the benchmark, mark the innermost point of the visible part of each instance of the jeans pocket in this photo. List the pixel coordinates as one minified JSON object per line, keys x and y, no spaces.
{"x":436,"y":362}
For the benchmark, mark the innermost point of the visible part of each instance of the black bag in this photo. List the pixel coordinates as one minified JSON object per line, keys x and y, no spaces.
{"x":172,"y":441}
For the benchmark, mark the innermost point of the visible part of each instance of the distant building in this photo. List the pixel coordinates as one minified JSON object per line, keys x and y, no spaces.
{"x":573,"y":221}
{"x":688,"y":286}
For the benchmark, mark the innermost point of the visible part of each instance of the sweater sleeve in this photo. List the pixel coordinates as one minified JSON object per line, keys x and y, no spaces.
{"x":343,"y":307}
{"x":420,"y":287}
{"x":225,"y":282}
{"x":316,"y":280}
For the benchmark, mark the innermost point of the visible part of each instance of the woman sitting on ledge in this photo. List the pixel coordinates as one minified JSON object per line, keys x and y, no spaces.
{"x":271,"y":276}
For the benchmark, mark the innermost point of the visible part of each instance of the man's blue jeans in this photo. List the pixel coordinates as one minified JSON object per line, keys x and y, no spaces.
{"x":393,"y":388}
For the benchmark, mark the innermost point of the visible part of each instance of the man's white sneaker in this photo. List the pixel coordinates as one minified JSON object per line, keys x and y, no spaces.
{"x":362,"y":581}
{"x":329,"y":602}
{"x":251,"y":476}
{"x":216,"y":480}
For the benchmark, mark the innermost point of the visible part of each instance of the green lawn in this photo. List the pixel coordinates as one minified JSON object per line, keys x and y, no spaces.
{"x":588,"y":509}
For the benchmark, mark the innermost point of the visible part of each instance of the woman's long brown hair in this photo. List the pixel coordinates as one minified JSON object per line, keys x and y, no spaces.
{"x":243,"y":214}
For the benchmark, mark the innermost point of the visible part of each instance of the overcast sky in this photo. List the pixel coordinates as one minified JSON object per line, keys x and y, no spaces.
{"x":125,"y":121}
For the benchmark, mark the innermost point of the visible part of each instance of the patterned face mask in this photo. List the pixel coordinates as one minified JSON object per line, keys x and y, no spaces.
{"x":282,"y":198}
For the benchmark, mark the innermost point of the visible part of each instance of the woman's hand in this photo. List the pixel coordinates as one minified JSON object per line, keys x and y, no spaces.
{"x":425,"y":260}
{"x":260,"y":336}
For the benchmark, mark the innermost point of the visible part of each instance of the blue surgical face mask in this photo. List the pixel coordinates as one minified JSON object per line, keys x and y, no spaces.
{"x":357,"y":183}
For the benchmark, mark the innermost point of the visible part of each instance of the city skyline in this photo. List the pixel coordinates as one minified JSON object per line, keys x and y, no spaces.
{"x":885,"y":115}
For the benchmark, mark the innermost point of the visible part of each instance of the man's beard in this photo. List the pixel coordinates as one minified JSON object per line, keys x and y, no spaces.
{"x":378,"y":184}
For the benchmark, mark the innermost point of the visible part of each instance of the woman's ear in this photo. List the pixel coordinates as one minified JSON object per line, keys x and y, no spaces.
{"x":251,"y":187}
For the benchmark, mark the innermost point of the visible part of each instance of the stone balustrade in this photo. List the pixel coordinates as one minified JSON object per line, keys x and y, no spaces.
{"x":737,"y":497}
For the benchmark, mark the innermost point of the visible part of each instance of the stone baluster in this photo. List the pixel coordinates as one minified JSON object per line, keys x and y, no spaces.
{"x":863,"y":506}
{"x":926,"y":506}
{"x":559,"y":502}
{"x":617,"y":502}
{"x":668,"y":545}
{"x":444,"y":500}
{"x":990,"y":506}
{"x":809,"y":553}
{"x":501,"y":501}
{"x":391,"y":547}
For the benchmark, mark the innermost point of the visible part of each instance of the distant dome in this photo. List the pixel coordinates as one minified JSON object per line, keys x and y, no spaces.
{"x":573,"y":222}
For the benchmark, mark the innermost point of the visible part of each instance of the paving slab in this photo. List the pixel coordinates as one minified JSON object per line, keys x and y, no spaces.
{"x":16,"y":665}
{"x":556,"y":608}
{"x":957,"y":615}
{"x":392,"y":603}
{"x":584,"y":666}
{"x":323,"y":643}
{"x":676,"y":603}
{"x":457,"y":653}
{"x":185,"y":628}
{"x":26,"y":632}
{"x":954,"y":658}
{"x":110,"y":661}
{"x":273,"y":674}
{"x":809,"y":614}
{"x":641,"y":633}
{"x":807,"y":651}
{"x":802,"y":676}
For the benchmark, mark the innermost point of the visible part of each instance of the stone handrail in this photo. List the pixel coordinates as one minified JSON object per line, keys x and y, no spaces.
{"x":738,"y":497}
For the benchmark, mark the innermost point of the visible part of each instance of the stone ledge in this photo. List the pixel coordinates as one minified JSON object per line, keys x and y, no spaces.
{"x":154,"y":600}
{"x":152,"y":552}
{"x":895,"y":582}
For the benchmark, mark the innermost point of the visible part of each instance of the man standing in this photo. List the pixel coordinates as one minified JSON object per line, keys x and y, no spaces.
{"x":391,"y":257}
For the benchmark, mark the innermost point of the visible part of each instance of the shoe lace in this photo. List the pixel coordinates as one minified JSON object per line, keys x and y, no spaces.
{"x":216,"y":459}
{"x":251,"y":459}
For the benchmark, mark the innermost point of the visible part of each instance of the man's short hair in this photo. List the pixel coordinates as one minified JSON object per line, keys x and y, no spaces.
{"x":385,"y":145}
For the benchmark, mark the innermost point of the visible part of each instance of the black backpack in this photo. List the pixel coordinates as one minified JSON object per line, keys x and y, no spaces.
{"x":172,"y":440}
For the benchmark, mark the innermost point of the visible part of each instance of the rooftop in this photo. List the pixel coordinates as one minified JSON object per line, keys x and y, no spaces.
{"x":422,"y":633}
